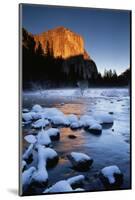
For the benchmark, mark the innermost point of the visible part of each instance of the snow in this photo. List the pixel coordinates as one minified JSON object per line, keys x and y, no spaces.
{"x":41,"y":123}
{"x":109,"y":172}
{"x":95,"y":126}
{"x":27,"y":116}
{"x":40,"y":175}
{"x":79,"y":189}
{"x":49,"y":113}
{"x":53,"y":132}
{"x":30,"y":139}
{"x":28,"y":152}
{"x":25,"y":110}
{"x":75,"y":125}
{"x":60,"y":120}
{"x":76,"y":179}
{"x":43,"y":138}
{"x":37,"y":108}
{"x":87,"y":120}
{"x":79,"y":156}
{"x":27,"y":177}
{"x":23,"y":164}
{"x":103,"y":118}
{"x":61,"y":186}
{"x":72,"y":118}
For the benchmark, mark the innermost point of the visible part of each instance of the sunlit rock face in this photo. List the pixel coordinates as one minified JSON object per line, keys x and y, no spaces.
{"x":62,"y":42}
{"x":64,"y":54}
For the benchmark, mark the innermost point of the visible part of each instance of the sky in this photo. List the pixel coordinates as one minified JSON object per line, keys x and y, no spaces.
{"x":106,"y":33}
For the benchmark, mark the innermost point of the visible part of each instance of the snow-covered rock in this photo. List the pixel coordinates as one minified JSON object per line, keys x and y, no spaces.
{"x":61,"y":186}
{"x":43,"y":138}
{"x":37,"y":108}
{"x":60,"y":120}
{"x":87,"y":121}
{"x":30,"y":139}
{"x":40,"y":176}
{"x":23,"y":164}
{"x":28,"y":153}
{"x":53,"y":133}
{"x":49,"y":113}
{"x":76,"y":180}
{"x":72,"y":118}
{"x":27,"y":116}
{"x":40,"y":123}
{"x":104,"y":118}
{"x":27,"y":178}
{"x":25,"y":110}
{"x":95,"y":128}
{"x":80,"y":161}
{"x":46,"y":157}
{"x":76,"y":125}
{"x":111,"y":176}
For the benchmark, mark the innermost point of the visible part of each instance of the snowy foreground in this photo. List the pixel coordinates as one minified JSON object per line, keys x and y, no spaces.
{"x":45,"y":139}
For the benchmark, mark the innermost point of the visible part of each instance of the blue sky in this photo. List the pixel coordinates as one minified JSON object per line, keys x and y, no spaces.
{"x":106,"y":32}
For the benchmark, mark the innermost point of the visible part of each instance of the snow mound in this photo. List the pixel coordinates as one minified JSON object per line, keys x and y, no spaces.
{"x":80,"y":161}
{"x":49,"y":113}
{"x":53,"y":133}
{"x":27,"y":116}
{"x":27,"y":178}
{"x":61,"y":186}
{"x":87,"y":121}
{"x":28,"y":153}
{"x":60,"y":120}
{"x":104,"y":118}
{"x":76,"y":180}
{"x":79,"y":156}
{"x":23,"y":164}
{"x":43,"y":138}
{"x":95,"y":128}
{"x":109,"y":172}
{"x":37,"y":108}
{"x":40,"y":176}
{"x":41,"y":123}
{"x":45,"y":155}
{"x":30,"y":139}
{"x":72,"y":118}
{"x":76,"y":125}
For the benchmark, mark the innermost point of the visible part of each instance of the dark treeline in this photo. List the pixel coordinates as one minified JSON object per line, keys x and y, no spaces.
{"x":110,"y":78}
{"x":41,"y":68}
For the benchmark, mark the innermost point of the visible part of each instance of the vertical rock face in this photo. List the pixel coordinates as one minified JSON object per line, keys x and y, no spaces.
{"x":57,"y":55}
{"x":62,"y":42}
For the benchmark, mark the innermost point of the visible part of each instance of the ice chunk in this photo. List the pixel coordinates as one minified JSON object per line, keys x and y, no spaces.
{"x":30,"y":139}
{"x":109,"y":172}
{"x":27,"y":177}
{"x":43,"y":138}
{"x":41,"y":123}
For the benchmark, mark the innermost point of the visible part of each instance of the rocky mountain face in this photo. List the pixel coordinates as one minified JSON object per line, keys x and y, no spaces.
{"x":58,"y":51}
{"x":62,"y":42}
